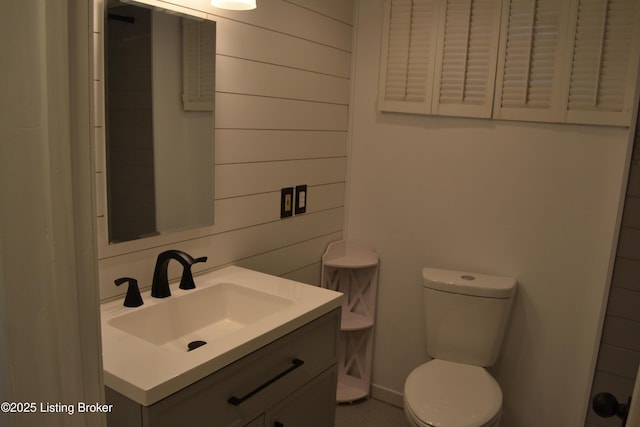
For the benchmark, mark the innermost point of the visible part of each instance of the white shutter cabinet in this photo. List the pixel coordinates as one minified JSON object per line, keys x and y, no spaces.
{"x":530,"y":82}
{"x":439,"y":56}
{"x":198,"y":66}
{"x":573,"y":61}
{"x":563,"y":61}
{"x":604,"y":62}
{"x":409,"y":43}
{"x":466,"y":57}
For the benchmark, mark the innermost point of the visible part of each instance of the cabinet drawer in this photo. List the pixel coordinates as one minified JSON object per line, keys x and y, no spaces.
{"x":254,"y":383}
{"x":302,"y":408}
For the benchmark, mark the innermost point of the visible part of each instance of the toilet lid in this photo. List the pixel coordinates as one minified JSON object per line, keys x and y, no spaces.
{"x":442,"y":393}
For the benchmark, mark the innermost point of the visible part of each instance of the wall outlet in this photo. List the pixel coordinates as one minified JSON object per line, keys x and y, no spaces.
{"x":286,"y":202}
{"x":301,"y":199}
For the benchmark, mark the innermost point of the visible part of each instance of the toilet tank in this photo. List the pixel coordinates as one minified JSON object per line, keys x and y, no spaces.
{"x":466,"y":315}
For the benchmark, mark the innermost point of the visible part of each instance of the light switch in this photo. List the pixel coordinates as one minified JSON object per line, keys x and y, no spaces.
{"x":286,"y":202}
{"x":301,"y":199}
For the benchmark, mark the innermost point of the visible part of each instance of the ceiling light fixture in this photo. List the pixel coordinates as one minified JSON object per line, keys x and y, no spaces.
{"x":234,"y":4}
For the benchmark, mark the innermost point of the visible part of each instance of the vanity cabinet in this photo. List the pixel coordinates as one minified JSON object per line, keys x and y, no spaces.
{"x":289,"y":382}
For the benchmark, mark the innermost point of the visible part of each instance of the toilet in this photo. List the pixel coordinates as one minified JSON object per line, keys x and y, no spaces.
{"x":465,"y":316}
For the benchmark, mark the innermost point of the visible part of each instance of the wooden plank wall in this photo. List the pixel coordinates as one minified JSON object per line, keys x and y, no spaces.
{"x":282,"y":105}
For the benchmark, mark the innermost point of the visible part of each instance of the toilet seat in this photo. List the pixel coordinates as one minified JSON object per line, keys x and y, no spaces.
{"x":440,"y":393}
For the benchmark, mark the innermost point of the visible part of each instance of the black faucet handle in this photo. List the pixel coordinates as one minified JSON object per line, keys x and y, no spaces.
{"x":133,"y":298}
{"x":186,"y":282}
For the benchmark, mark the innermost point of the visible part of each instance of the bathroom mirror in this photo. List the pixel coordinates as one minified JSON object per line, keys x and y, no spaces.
{"x":159,"y":112}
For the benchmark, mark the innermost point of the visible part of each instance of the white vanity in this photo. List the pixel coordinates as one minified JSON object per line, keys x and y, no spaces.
{"x":268,"y":358}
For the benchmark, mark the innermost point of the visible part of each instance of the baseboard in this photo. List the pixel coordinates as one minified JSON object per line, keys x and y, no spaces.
{"x":387,"y":395}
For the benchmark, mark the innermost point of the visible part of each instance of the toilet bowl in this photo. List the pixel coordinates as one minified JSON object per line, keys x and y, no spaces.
{"x":465,"y":317}
{"x":440,"y":393}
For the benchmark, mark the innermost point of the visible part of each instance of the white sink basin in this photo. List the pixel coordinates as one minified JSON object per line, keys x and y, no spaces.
{"x":234,"y":310}
{"x":210,"y":314}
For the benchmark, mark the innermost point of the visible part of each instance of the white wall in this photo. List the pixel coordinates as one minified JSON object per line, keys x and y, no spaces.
{"x":282,"y":94}
{"x":535,"y":201}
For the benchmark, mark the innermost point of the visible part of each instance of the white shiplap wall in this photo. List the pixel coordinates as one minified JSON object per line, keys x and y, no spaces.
{"x":282,"y":104}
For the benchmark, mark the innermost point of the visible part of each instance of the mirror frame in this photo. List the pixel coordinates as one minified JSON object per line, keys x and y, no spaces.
{"x":105,"y":248}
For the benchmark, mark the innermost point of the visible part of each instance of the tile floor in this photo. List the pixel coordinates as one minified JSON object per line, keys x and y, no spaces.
{"x":370,"y":413}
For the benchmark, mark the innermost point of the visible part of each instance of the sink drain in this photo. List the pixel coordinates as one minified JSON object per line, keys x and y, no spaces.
{"x":195,"y":344}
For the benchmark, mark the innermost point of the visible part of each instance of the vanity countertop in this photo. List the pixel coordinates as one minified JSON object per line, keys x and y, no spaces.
{"x":147,"y":372}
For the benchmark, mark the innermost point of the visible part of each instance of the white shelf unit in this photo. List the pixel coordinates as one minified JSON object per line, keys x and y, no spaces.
{"x":352,"y":268}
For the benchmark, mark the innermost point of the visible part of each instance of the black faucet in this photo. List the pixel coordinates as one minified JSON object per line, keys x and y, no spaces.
{"x":160,"y":283}
{"x":133,"y":298}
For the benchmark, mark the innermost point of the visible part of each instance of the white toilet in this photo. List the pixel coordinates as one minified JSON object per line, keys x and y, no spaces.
{"x":466,"y":316}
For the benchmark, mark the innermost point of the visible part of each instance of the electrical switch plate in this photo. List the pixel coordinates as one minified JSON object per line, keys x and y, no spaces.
{"x":286,"y":202}
{"x":301,"y":199}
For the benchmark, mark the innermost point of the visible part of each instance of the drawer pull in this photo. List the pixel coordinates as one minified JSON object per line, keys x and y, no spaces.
{"x":235,"y":401}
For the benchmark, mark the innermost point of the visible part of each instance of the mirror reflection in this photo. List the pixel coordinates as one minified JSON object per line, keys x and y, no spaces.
{"x":159,"y":73}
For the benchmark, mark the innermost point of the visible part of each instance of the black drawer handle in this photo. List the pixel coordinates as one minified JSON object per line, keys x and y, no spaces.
{"x":235,"y":401}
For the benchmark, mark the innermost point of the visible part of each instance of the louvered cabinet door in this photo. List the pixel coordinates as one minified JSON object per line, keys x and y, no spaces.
{"x":564,"y":61}
{"x":198,"y":64}
{"x":466,"y":57}
{"x":532,"y":61}
{"x":408,"y":52}
{"x":604,"y":62}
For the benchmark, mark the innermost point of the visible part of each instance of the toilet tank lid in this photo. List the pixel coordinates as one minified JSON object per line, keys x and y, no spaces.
{"x":466,"y":283}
